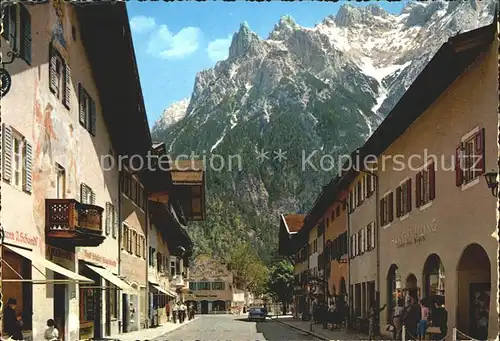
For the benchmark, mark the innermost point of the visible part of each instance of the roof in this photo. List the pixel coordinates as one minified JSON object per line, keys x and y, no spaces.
{"x":187,"y":171}
{"x":293,"y":222}
{"x":105,"y":33}
{"x":445,"y":67}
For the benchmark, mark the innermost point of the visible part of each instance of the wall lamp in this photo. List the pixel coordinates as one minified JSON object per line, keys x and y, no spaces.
{"x":492,"y":182}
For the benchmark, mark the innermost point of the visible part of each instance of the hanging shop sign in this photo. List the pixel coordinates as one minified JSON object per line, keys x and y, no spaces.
{"x":415,"y":235}
{"x":5,"y":82}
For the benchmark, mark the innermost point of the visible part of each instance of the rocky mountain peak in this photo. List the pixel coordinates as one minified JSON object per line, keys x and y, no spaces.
{"x":283,"y":28}
{"x":242,"y":41}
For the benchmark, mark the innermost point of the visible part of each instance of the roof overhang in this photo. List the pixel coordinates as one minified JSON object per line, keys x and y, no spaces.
{"x":105,"y":33}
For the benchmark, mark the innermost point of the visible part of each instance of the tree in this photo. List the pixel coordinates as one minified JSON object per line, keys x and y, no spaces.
{"x":280,"y":283}
{"x":248,"y":268}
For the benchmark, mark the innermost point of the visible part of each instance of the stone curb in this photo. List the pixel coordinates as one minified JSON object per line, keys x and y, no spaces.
{"x":157,"y":335}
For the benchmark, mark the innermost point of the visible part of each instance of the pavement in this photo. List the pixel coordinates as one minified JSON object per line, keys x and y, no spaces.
{"x":235,"y":328}
{"x":151,"y":333}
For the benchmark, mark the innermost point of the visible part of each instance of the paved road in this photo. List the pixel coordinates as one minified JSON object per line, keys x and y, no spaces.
{"x":224,"y":327}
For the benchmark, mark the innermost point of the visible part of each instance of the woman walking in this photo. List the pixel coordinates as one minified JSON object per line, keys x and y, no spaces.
{"x":397,"y":320}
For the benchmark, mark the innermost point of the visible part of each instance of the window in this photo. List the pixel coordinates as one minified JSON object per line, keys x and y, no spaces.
{"x":143,"y":240}
{"x":469,"y":158}
{"x":386,"y":207}
{"x":126,"y":183}
{"x":151,"y":256}
{"x":112,"y":300}
{"x":425,"y":185}
{"x":193,"y":285}
{"x":87,"y":110}
{"x":403,"y":199}
{"x":60,"y":181}
{"x":130,"y":240}
{"x":87,"y":195}
{"x":59,"y":76}
{"x":172,"y":267}
{"x":125,"y":231}
{"x":370,"y":185}
{"x":17,"y":30}
{"x":17,"y":160}
{"x":110,"y":219}
{"x":159,"y":262}
{"x":203,"y":285}
{"x":359,"y":236}
{"x":137,"y":243}
{"x":370,"y":236}
{"x":218,"y":286}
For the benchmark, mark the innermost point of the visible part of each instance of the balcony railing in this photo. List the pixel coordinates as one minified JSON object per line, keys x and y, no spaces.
{"x":68,"y":221}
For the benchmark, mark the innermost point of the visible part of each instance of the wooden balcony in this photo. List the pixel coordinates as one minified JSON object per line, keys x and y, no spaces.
{"x":70,"y":223}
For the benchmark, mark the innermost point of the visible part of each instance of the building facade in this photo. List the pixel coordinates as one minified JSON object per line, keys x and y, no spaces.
{"x":438,"y":218}
{"x":362,"y":244}
{"x":54,"y":132}
{"x":211,"y":284}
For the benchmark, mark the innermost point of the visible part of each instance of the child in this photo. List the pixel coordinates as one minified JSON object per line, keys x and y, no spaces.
{"x":51,"y":333}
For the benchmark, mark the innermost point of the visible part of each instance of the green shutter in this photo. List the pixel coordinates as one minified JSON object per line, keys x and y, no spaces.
{"x":25,"y":50}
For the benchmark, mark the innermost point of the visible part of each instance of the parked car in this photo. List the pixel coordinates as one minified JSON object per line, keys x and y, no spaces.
{"x":257,"y":314}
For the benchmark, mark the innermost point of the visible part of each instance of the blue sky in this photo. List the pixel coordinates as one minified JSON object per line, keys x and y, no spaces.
{"x":175,"y":40}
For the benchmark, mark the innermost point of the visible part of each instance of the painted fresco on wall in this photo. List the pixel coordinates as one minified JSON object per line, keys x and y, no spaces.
{"x":53,"y":143}
{"x":57,"y":28}
{"x":206,"y":267}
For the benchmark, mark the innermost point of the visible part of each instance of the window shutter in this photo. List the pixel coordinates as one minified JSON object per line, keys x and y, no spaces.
{"x":81,"y":99}
{"x":67,"y":86}
{"x":52,"y":70}
{"x":7,"y":152}
{"x":368,"y":186}
{"x":124,"y":237}
{"x":459,"y":173}
{"x":28,"y":152}
{"x":398,"y":201}
{"x":83,"y":193}
{"x":6,"y":23}
{"x":418,"y":190}
{"x":93,"y":118}
{"x":373,"y":183}
{"x":13,"y":27}
{"x":480,"y":154}
{"x":116,"y":222}
{"x":363,"y":240}
{"x":432,"y":181}
{"x":92,"y":197}
{"x":391,"y":205}
{"x":382,"y":221}
{"x":25,"y":51}
{"x":408,"y":195}
{"x":108,"y":218}
{"x":373,"y":235}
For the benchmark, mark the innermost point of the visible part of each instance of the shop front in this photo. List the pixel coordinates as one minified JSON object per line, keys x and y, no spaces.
{"x":160,"y":299}
{"x":99,"y":301}
{"x":33,"y":282}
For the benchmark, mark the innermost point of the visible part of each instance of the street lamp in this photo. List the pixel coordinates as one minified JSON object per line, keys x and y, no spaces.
{"x":492,"y":182}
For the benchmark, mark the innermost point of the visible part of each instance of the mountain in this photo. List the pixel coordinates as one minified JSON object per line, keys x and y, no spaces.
{"x":317,"y":91}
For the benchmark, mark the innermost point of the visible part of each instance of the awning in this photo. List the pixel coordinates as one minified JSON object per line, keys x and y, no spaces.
{"x":164,"y":291}
{"x":107,"y":275}
{"x":41,"y":262}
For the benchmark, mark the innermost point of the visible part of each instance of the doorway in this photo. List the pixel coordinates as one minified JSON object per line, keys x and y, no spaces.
{"x":204,"y":307}
{"x":60,"y":309}
{"x":125,"y":314}
{"x":474,"y":292}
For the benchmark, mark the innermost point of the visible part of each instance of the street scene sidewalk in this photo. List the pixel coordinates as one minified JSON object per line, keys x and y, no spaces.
{"x":150,"y":333}
{"x":318,"y":331}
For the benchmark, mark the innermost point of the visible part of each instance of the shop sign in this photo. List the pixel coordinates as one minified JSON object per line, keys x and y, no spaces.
{"x":54,"y":252}
{"x":91,"y":256}
{"x":415,"y":235}
{"x":22,"y":237}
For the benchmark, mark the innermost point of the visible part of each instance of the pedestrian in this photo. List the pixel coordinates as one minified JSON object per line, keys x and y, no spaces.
{"x":412,"y":317}
{"x":167,"y":311}
{"x":440,"y":320}
{"x":183,"y":312}
{"x":397,"y":320}
{"x":51,"y":333}
{"x":176,"y":312}
{"x":132,"y":312}
{"x":331,"y":315}
{"x":12,"y":322}
{"x":423,"y":323}
{"x":373,"y":320}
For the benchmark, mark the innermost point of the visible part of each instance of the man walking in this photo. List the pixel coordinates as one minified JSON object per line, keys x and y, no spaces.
{"x":373,"y":320}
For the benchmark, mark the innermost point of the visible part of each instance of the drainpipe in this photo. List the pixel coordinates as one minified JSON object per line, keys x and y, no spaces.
{"x":146,"y":247}
{"x":349,"y":257}
{"x":119,"y":234}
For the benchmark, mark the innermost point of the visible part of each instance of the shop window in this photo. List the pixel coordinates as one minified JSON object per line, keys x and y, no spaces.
{"x":403,"y":198}
{"x":425,"y":185}
{"x":386,"y":207}
{"x":112,"y":298}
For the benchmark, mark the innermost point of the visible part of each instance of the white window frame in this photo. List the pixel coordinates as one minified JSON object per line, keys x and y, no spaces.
{"x":17,"y":165}
{"x":60,"y":182}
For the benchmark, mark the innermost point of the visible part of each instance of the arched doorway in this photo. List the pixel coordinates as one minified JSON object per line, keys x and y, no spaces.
{"x":218,"y":306}
{"x":204,"y":307}
{"x":474,"y":290}
{"x":393,"y":288}
{"x":411,"y":288}
{"x":434,"y":278}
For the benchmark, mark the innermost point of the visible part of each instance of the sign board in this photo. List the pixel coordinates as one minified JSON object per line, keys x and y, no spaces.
{"x":415,"y":235}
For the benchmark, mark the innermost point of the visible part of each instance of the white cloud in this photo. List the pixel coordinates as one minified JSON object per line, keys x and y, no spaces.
{"x":142,"y":24}
{"x":166,"y":45}
{"x":218,"y":49}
